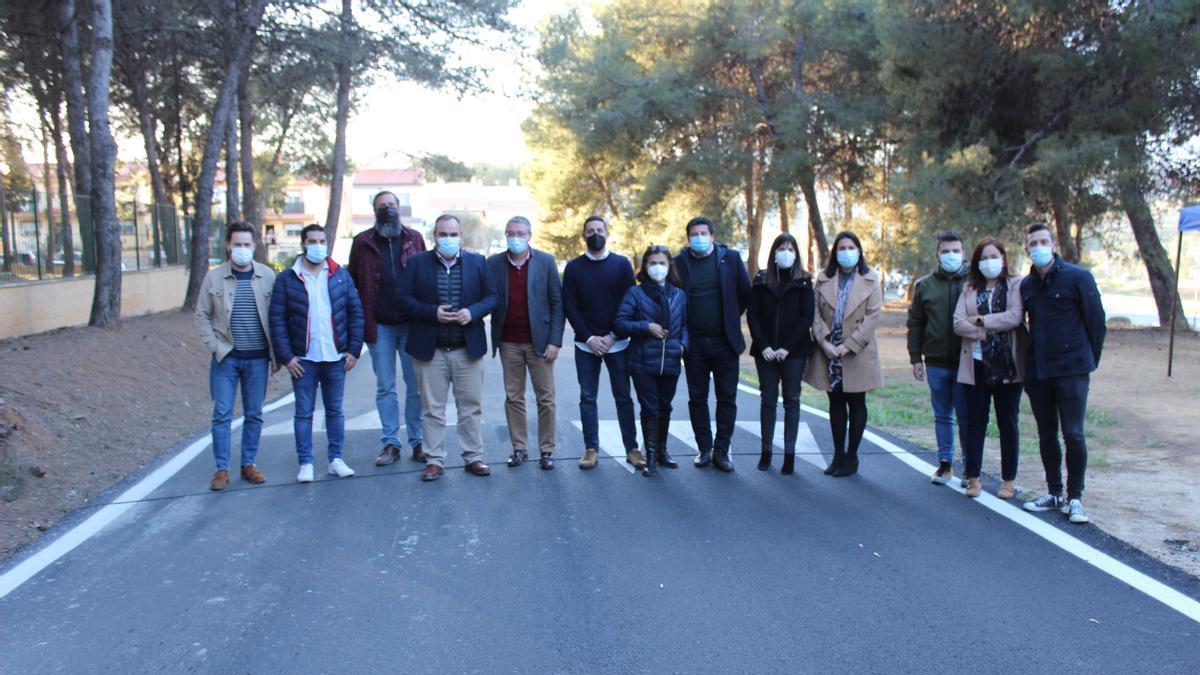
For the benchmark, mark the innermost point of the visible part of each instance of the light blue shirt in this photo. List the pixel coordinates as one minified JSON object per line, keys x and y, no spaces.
{"x":321,"y":346}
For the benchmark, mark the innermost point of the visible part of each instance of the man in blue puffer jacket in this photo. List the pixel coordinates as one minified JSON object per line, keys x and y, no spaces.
{"x":317,"y":333}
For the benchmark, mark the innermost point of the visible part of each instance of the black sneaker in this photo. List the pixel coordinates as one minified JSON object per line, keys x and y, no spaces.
{"x":1046,"y":502}
{"x":943,"y":475}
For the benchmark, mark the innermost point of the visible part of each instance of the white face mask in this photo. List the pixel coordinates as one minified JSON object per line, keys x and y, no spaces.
{"x":785,"y":259}
{"x":951,"y":261}
{"x":657,"y":271}
{"x":241,"y":256}
{"x":991,"y":267}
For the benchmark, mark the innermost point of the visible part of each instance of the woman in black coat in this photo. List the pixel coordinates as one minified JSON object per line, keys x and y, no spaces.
{"x":780,"y":315}
{"x":654,"y":315}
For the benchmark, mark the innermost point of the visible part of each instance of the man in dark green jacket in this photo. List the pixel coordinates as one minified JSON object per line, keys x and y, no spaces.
{"x":933,"y":347}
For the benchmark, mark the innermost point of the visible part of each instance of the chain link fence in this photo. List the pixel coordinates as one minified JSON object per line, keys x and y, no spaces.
{"x":39,"y":239}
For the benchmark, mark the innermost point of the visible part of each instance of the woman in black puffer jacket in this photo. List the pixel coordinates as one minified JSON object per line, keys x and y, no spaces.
{"x":780,"y":315}
{"x":654,"y":315}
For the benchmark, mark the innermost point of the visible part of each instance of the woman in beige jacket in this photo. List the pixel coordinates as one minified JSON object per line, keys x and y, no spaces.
{"x":846,"y":365}
{"x":989,"y":317}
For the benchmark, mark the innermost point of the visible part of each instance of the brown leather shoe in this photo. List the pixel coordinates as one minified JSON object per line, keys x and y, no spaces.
{"x":1007,"y":490}
{"x":589,"y":460}
{"x":418,"y":454}
{"x":431,"y":472}
{"x":387,"y":455}
{"x":478,"y":468}
{"x":974,"y":487}
{"x":634,"y":456}
{"x":251,"y":474}
{"x":220,"y":480}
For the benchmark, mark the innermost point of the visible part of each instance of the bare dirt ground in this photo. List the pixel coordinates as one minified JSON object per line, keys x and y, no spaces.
{"x":83,"y":408}
{"x":1144,"y":455}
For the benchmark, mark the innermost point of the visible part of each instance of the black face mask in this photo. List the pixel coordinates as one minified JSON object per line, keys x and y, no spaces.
{"x":595,"y":242}
{"x":387,"y":214}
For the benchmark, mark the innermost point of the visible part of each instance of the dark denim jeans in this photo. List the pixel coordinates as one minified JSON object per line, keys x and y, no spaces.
{"x":711,"y":358}
{"x":949,"y":402}
{"x":770,"y":375}
{"x":655,"y":393}
{"x":1006,"y":397}
{"x":331,"y":376}
{"x":587,"y":368}
{"x":223,"y":379}
{"x":1061,"y":400}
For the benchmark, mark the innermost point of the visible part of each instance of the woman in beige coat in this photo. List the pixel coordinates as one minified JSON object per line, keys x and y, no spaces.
{"x":846,"y":366}
{"x":989,"y":317}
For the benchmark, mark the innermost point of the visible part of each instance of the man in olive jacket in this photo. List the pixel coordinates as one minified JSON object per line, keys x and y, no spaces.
{"x":933,"y":347}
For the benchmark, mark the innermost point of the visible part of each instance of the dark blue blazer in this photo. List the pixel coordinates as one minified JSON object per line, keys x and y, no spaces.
{"x":648,"y":355}
{"x":419,"y":298}
{"x":289,"y":314}
{"x":735,"y":290}
{"x":1066,"y":322}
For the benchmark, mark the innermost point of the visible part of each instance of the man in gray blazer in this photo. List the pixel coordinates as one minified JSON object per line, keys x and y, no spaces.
{"x":527,"y":331}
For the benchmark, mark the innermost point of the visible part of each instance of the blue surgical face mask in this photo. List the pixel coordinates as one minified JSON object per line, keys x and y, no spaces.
{"x":700,"y":243}
{"x":1041,"y":255}
{"x":241,"y":256}
{"x":316,"y":253}
{"x":448,"y":246}
{"x":951,"y":261}
{"x":517,"y":245}
{"x":847,"y":258}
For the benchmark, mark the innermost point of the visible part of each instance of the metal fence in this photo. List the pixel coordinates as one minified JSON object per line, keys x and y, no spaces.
{"x":34,"y":229}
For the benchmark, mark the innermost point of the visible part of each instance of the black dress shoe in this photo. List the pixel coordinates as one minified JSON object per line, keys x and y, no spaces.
{"x":721,"y":461}
{"x":835,"y":463}
{"x":849,"y":466}
{"x":789,"y":464}
{"x":546,"y":462}
{"x":418,"y":453}
{"x":764,"y":460}
{"x":517,"y":458}
{"x":702,"y":459}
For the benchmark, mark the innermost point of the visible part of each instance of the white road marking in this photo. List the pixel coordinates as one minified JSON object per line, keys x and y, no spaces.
{"x":37,"y":562}
{"x":1089,"y":554}
{"x":806,"y":446}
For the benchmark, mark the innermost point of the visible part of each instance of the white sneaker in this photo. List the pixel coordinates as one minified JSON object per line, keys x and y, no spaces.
{"x":305,"y":475}
{"x":338,"y":468}
{"x":1075,"y":512}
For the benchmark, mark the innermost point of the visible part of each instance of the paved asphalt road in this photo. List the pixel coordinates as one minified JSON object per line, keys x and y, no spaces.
{"x":570,"y":571}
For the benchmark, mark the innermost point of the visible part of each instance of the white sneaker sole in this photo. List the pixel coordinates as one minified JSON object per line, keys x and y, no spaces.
{"x":333,"y":472}
{"x":1029,"y":506}
{"x":1078,"y":520}
{"x":941,"y":480}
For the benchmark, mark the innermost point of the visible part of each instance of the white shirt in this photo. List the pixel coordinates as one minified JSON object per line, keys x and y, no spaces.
{"x":321,"y":346}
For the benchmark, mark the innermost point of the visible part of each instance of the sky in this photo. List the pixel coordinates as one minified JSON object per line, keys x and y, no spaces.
{"x":485,"y":127}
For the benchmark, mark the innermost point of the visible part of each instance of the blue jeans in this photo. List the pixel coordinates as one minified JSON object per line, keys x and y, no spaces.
{"x":223,"y":379}
{"x":331,"y":375}
{"x":587,"y":368}
{"x":949,"y":402}
{"x":390,"y":340}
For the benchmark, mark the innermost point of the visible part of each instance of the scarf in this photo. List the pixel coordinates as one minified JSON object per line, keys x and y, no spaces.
{"x":997,"y":346}
{"x":845,"y":283}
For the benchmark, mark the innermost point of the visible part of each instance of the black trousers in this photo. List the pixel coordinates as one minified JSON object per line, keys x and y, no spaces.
{"x":1061,"y":400}
{"x":847,"y":410}
{"x":711,"y":359}
{"x":771,"y":374}
{"x":1006,"y":397}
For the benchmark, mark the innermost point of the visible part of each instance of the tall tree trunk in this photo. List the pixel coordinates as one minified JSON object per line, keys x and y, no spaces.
{"x":77,"y":129}
{"x":184,"y":186}
{"x":233,"y":209}
{"x":222,"y":111}
{"x":5,"y":232}
{"x":1154,"y":256}
{"x":48,"y":259}
{"x":64,"y":208}
{"x":251,"y":210}
{"x":808,"y":186}
{"x":760,"y":210}
{"x":106,"y":301}
{"x":785,"y":217}
{"x":1061,"y":209}
{"x":339,"y":143}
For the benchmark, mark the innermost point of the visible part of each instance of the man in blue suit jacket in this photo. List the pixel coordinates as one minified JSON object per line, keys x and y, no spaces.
{"x":447,"y":292}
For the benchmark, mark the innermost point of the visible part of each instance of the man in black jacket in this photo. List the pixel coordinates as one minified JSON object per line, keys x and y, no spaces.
{"x":718,"y":290}
{"x":1066,"y":335}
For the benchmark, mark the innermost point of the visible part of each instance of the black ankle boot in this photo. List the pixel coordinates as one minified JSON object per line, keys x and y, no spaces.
{"x":789,"y":463}
{"x":848,"y":467}
{"x":836,"y":464}
{"x":721,"y":460}
{"x":764,"y":459}
{"x":703,"y":458}
{"x":664,"y":457}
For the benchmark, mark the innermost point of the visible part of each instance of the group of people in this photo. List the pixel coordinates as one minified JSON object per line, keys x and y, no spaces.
{"x":976,"y":334}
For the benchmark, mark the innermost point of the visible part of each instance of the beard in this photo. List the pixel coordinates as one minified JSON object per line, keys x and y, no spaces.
{"x":388,"y":229}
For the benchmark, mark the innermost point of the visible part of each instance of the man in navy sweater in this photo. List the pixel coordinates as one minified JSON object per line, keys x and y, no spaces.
{"x":593,"y":285}
{"x":1066,"y":335}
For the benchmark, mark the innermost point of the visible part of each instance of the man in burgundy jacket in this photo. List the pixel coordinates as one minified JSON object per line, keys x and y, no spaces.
{"x":377,"y":257}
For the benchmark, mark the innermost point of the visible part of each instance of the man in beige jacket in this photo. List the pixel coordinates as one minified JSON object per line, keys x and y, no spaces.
{"x":231,"y":314}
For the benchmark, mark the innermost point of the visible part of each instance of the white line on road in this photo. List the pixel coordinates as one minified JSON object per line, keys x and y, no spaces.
{"x":39,"y":561}
{"x":1089,"y":554}
{"x":806,"y":446}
